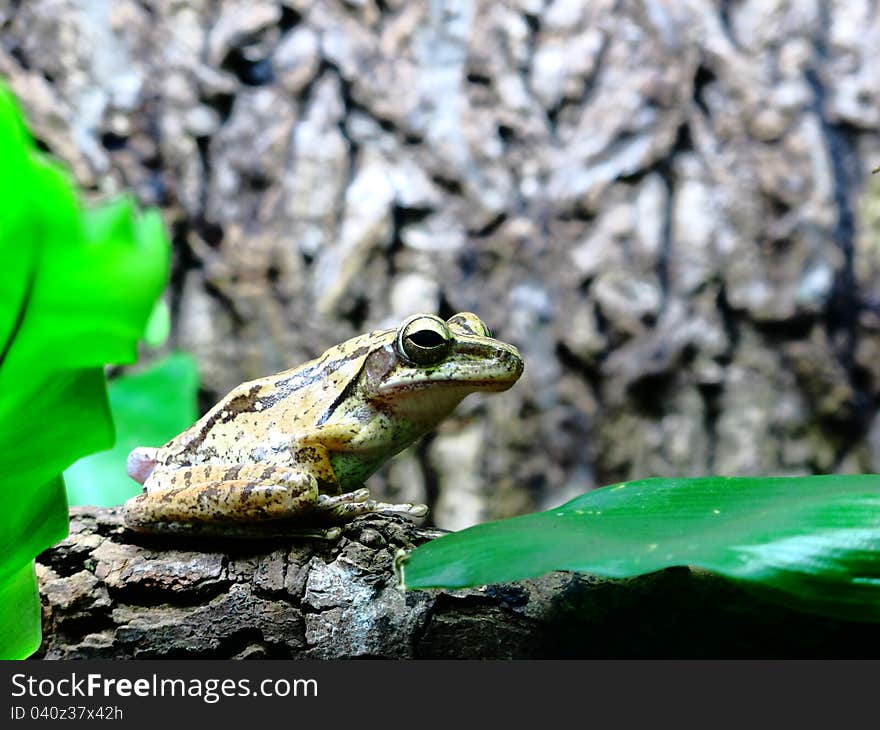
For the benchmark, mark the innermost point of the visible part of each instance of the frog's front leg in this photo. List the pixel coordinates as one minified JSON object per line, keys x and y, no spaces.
{"x":252,"y":500}
{"x":311,"y":451}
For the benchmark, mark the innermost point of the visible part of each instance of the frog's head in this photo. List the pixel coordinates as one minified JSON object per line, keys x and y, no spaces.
{"x":427,"y":365}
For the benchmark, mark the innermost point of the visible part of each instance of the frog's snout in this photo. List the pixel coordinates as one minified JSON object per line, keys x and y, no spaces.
{"x":493,"y":365}
{"x":514,"y":361}
{"x":511,"y":365}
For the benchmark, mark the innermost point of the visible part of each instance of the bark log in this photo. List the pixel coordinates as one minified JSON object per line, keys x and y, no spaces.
{"x":110,"y":594}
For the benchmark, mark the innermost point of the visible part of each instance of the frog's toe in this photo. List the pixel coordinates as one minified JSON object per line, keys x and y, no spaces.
{"x":406,"y":509}
{"x":345,"y":507}
{"x":411,"y":510}
{"x":358,"y":495}
{"x":419,"y":510}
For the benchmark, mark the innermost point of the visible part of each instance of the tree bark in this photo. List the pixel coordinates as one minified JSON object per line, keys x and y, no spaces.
{"x":108,"y":593}
{"x":668,"y":207}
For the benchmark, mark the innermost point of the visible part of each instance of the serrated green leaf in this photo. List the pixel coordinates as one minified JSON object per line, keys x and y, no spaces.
{"x":148,"y":408}
{"x":812,"y":542}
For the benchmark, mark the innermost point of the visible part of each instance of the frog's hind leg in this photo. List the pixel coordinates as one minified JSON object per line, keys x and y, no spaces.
{"x":343,"y":507}
{"x":245,"y":499}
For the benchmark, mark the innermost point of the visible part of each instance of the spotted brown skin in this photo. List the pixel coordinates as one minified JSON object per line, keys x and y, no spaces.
{"x":288,"y":453}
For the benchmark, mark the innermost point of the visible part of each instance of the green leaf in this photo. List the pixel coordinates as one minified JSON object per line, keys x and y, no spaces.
{"x":148,"y":408}
{"x":26,"y":527}
{"x":76,"y":287}
{"x":812,"y":542}
{"x":20,"y":632}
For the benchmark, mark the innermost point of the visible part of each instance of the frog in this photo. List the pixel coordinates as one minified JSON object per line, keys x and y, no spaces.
{"x":288,"y":454}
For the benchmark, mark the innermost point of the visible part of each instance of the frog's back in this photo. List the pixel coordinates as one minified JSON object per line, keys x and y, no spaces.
{"x":233,"y":419}
{"x":258,"y":418}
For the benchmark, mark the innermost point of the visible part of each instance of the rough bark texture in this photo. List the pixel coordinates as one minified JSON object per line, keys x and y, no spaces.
{"x":109,"y":594}
{"x":666,"y":206}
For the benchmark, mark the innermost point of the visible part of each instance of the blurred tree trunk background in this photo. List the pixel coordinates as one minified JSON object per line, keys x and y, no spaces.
{"x":667,"y":206}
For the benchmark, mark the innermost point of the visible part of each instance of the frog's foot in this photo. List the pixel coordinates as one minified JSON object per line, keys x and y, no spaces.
{"x":344,"y":507}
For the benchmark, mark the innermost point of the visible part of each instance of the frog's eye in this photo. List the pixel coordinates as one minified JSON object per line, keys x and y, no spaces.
{"x":469,"y":323}
{"x":424,"y":340}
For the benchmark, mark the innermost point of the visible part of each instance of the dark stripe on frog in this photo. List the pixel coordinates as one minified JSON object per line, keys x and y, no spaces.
{"x":288,"y":386}
{"x":347,"y":390}
{"x":304,"y":378}
{"x":246,"y":402}
{"x":240,"y":404}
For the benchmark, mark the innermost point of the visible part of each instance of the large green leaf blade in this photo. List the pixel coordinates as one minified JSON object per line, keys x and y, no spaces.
{"x":95,"y":287}
{"x":47,"y":423}
{"x":33,"y":451}
{"x":76,"y":288}
{"x":30,"y":525}
{"x":813,"y":542}
{"x":20,"y":630}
